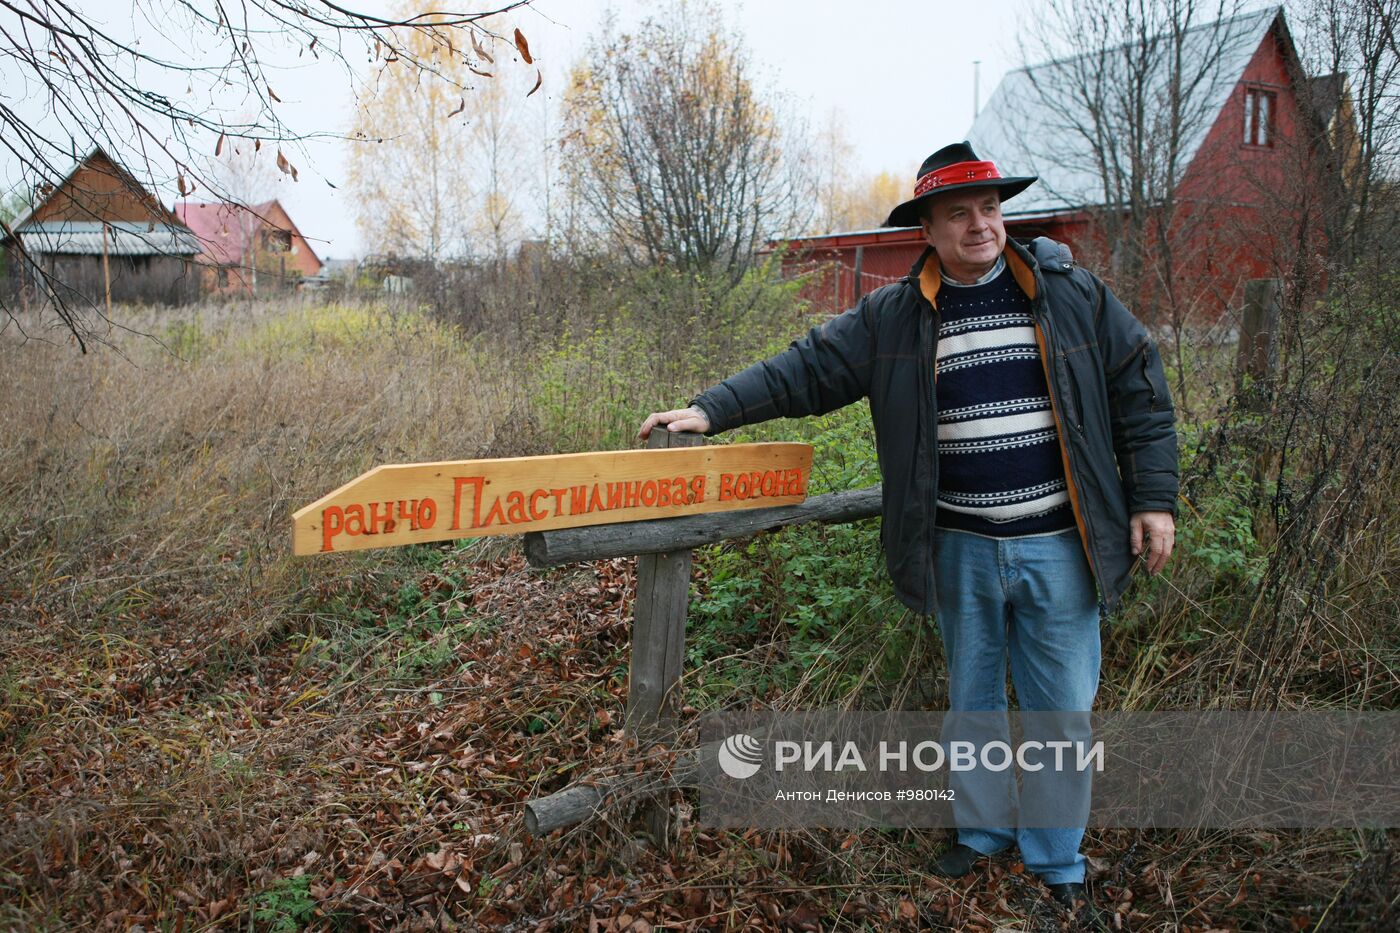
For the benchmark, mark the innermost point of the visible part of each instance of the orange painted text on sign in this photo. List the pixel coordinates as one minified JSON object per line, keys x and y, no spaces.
{"x":432,"y":502}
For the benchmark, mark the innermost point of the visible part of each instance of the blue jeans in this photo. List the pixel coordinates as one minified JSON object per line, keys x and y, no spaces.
{"x":1032,"y":599}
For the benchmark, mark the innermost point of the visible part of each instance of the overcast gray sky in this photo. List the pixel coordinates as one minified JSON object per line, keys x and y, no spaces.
{"x":900,"y":72}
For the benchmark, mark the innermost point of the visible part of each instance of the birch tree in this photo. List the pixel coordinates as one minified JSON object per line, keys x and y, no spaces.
{"x":436,"y":166}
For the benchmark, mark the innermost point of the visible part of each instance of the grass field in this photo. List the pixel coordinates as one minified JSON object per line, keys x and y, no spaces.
{"x":199,"y":732}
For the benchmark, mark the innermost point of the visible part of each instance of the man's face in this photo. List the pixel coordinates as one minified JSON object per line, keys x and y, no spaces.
{"x":965,"y":229}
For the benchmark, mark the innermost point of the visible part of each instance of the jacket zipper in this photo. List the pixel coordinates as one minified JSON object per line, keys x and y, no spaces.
{"x":1081,"y":516}
{"x":1147,"y":377}
{"x":1078,"y":402}
{"x":931,"y":504}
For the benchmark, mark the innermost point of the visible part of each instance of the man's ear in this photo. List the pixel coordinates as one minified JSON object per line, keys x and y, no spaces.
{"x":925,"y":224}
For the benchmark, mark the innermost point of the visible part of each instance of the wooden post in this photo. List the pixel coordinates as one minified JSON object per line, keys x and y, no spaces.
{"x":651,"y":708}
{"x":658,"y":624}
{"x":106,"y":272}
{"x":1262,"y":299}
{"x":658,"y":644}
{"x":26,"y":280}
{"x":856,"y":290}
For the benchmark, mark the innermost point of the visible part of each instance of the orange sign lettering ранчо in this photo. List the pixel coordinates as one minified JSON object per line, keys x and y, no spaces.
{"x":419,"y":503}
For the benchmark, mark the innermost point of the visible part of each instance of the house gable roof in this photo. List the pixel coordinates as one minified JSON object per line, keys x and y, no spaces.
{"x":115,"y":215}
{"x":1024,"y":136}
{"x":98,"y":160}
{"x":227,"y":229}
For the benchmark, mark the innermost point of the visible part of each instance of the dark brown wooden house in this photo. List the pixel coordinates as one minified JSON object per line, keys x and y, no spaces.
{"x":99,"y":235}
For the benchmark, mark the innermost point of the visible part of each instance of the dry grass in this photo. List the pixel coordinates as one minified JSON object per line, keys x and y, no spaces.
{"x":197,"y":730}
{"x":181,"y":462}
{"x":155,"y":482}
{"x":148,"y":589}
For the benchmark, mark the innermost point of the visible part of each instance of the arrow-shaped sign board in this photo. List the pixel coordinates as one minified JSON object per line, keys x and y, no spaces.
{"x":419,"y":502}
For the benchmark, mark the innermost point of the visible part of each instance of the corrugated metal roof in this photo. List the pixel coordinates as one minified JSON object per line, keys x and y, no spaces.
{"x":1025,"y":137}
{"x":124,"y":238}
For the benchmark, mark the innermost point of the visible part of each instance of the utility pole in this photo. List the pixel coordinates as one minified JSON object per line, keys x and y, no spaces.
{"x":106,"y":272}
{"x":976,"y":88}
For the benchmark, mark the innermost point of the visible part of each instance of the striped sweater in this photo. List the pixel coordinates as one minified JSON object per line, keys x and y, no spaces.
{"x":999,"y":467}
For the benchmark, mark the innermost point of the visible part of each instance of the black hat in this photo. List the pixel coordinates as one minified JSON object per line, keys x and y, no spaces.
{"x":954,"y":168}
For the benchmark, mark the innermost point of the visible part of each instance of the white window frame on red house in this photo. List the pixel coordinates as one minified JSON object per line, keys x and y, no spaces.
{"x":1260,"y":101}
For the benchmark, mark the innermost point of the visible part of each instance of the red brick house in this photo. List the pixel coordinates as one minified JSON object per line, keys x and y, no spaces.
{"x":1257,"y":137}
{"x":249,"y":250}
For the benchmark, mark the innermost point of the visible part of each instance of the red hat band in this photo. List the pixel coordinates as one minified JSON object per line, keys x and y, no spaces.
{"x":955,"y":174}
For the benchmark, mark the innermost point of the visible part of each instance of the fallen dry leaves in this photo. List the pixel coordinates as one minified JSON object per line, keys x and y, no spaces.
{"x":214,"y":777}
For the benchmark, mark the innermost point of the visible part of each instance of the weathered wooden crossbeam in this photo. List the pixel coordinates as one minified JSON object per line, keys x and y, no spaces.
{"x":599,"y":542}
{"x":585,"y":799}
{"x":575,"y":804}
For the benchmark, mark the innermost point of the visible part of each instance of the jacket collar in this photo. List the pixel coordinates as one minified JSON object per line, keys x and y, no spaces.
{"x":1023,"y":266}
{"x":925,"y":272}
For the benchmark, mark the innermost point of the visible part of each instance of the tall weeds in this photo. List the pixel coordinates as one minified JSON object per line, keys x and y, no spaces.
{"x":1281,"y":596}
{"x":177,"y":695}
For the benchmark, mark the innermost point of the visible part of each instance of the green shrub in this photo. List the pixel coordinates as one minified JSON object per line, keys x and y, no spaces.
{"x":1218,"y":530}
{"x":649,"y":340}
{"x":187,"y":339}
{"x":818,"y":593}
{"x":287,"y":906}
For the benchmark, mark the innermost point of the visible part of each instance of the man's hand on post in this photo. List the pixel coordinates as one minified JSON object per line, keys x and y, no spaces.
{"x":680,"y":419}
{"x":1160,"y":529}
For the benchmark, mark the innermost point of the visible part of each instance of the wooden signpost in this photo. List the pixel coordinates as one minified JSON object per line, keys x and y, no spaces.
{"x":663,"y":550}
{"x":421,"y":502}
{"x":552,"y":500}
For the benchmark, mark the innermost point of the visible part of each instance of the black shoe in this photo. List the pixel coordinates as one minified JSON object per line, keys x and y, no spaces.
{"x":957,"y":861}
{"x":1070,"y":895}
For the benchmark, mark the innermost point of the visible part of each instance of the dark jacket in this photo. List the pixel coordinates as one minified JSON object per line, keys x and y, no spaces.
{"x":1107,"y":390}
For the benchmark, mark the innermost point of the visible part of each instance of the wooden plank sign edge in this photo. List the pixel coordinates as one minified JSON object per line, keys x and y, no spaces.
{"x":416,"y":503}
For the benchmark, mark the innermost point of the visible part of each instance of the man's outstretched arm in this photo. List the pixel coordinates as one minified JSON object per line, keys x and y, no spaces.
{"x":828,"y":368}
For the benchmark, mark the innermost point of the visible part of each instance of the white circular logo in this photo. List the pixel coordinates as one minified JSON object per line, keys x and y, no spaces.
{"x":741,"y":756}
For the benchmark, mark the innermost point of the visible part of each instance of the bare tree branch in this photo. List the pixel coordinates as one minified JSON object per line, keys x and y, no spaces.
{"x":110,"y":88}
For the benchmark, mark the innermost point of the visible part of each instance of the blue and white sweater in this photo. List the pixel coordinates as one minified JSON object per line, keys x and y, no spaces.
{"x":999,"y":467}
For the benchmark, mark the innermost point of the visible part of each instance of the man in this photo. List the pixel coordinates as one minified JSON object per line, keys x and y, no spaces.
{"x":1028,"y":451}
